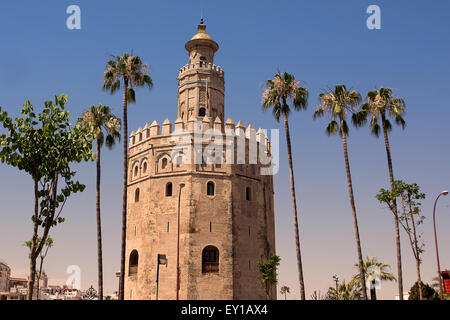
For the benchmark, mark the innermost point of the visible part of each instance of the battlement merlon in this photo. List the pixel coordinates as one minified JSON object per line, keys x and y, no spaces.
{"x":196,"y":126}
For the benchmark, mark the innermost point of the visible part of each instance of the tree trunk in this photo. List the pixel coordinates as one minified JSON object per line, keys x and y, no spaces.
{"x":37,"y":285}
{"x":417,"y":253}
{"x":355,"y":219}
{"x":419,"y":279}
{"x":39,"y":278}
{"x":396,"y":223}
{"x":294,"y":206}
{"x":125,"y":181}
{"x":99,"y":227}
{"x":33,"y":240}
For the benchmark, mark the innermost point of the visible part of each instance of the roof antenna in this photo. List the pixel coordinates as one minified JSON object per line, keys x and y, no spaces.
{"x":201,"y":15}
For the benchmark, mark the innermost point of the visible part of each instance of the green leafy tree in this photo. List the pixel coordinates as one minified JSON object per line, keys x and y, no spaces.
{"x":268,"y":272}
{"x":43,"y":255}
{"x":130,"y":72}
{"x":410,"y":217}
{"x":284,"y":291}
{"x":107,"y":129}
{"x":371,"y":268}
{"x":280,"y":90}
{"x":428,"y":293}
{"x":381,"y":106}
{"x":337,"y":103}
{"x":45,"y":145}
{"x":345,"y":291}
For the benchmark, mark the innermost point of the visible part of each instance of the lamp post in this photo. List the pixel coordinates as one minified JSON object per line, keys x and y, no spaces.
{"x":336,"y":279}
{"x":160,"y":260}
{"x":445,"y":192}
{"x":178,"y":242}
{"x":118,"y":291}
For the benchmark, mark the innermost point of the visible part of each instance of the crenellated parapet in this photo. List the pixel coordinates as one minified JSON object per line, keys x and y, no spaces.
{"x":200,"y":66}
{"x":154,"y":132}
{"x":203,"y":145}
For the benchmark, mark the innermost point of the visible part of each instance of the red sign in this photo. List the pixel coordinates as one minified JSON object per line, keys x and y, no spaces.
{"x":446,"y":278}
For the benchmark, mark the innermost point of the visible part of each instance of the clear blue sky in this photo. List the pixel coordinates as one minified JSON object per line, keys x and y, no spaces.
{"x":321,"y":42}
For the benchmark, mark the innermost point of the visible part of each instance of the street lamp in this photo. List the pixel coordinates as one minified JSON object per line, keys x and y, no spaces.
{"x":162,"y":259}
{"x":336,"y":279}
{"x":178,"y":242}
{"x":445,"y":192}
{"x":118,"y":291}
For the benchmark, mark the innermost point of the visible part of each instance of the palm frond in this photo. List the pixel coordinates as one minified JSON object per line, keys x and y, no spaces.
{"x":332,"y":128}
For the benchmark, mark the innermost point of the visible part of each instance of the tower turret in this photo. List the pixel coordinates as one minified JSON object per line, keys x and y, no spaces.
{"x":201,"y":85}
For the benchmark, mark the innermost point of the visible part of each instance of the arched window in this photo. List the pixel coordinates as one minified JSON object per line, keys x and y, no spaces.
{"x":169,"y":189}
{"x":210,"y":259}
{"x":133,"y":263}
{"x":178,"y":161}
{"x":144,"y":167}
{"x":136,"y":195}
{"x":201,"y":112}
{"x":136,"y":171}
{"x":202,"y":61}
{"x":164,"y":163}
{"x":210,"y":188}
{"x":248,"y":194}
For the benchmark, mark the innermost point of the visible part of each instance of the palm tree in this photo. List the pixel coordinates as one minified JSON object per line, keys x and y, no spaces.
{"x":130,"y":72}
{"x":280,"y":90}
{"x":345,"y":291}
{"x":103,"y":122}
{"x":285,"y":290}
{"x":381,"y":106}
{"x":372,"y":269}
{"x":337,"y":103}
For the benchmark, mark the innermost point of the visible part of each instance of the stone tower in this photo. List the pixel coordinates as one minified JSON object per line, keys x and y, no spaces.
{"x":214,"y":219}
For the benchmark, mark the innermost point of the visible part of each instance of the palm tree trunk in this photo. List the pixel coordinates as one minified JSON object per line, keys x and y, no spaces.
{"x":396,"y":223}
{"x":355,"y":219}
{"x":99,"y":227}
{"x":125,"y":180}
{"x":294,"y":205}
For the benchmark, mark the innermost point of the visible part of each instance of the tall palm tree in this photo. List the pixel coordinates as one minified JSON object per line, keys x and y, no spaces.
{"x":371,"y":268}
{"x":104,"y":123}
{"x":285,"y":290}
{"x":129,"y":71}
{"x":338,"y":103}
{"x":279,"y":90}
{"x":380,"y":106}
